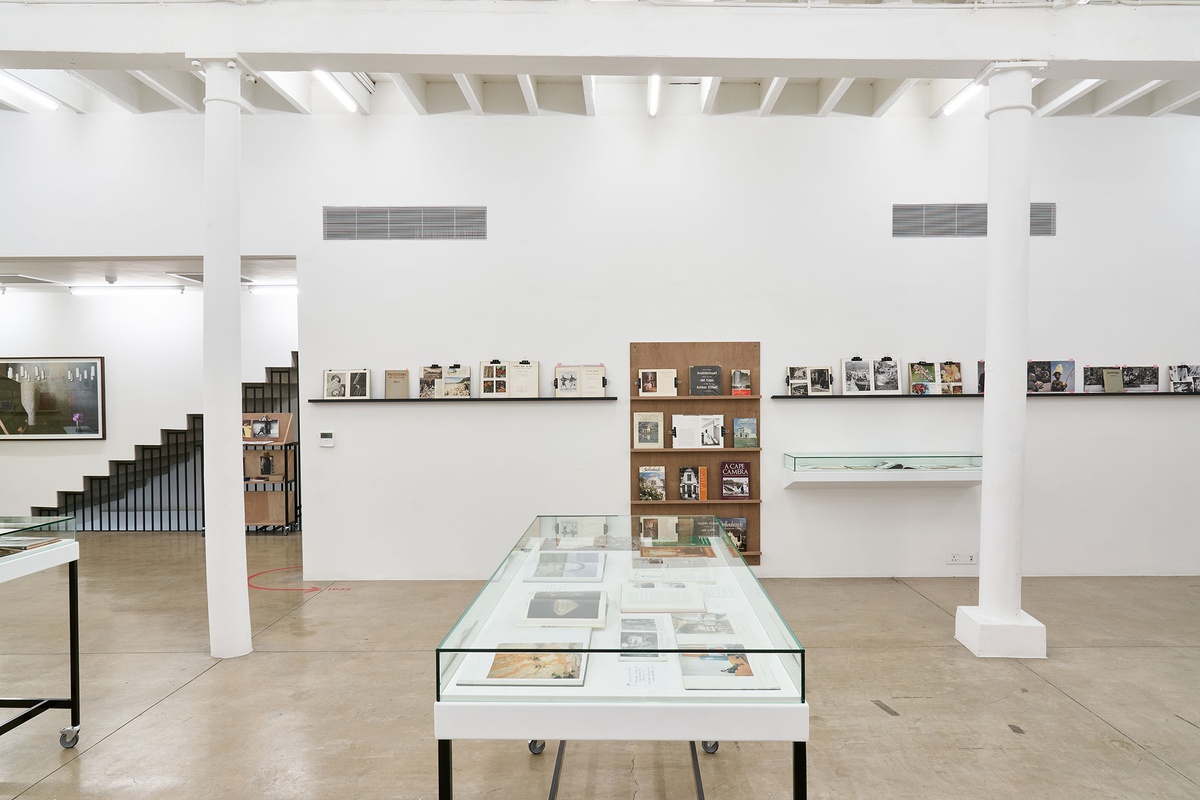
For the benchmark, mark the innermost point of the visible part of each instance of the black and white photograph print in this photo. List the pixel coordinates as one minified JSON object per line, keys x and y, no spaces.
{"x":1140,"y":379}
{"x":336,"y":383}
{"x":820,"y":380}
{"x":566,"y":381}
{"x":638,"y":624}
{"x":431,"y":377}
{"x":886,"y":376}
{"x":797,"y":381}
{"x":266,"y":465}
{"x":1184,"y":378}
{"x":639,"y":640}
{"x":581,"y":608}
{"x":856,"y":376}
{"x":1093,"y":379}
{"x":360,"y":384}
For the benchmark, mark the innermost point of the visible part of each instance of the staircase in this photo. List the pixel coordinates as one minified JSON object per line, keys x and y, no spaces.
{"x":162,"y":487}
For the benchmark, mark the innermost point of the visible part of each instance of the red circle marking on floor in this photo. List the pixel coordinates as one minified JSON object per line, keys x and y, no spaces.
{"x":252,"y":585}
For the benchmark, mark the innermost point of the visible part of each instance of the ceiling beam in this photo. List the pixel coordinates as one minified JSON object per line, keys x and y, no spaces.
{"x":886,"y":92}
{"x":356,"y":90}
{"x":294,"y":87}
{"x":472,"y":89}
{"x":413,"y":87}
{"x":829,"y":92}
{"x":1115,"y":95}
{"x":529,"y":89}
{"x":708,"y":94}
{"x":181,"y":88}
{"x":1052,"y":96}
{"x":120,"y":87}
{"x":946,"y":93}
{"x":1175,"y":94}
{"x":589,"y":95}
{"x":57,"y":84}
{"x":769,"y":95}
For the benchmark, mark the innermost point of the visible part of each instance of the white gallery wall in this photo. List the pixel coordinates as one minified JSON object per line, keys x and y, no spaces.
{"x":607,"y":230}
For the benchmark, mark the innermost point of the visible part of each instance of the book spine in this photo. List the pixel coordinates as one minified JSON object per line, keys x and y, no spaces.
{"x":703,"y":483}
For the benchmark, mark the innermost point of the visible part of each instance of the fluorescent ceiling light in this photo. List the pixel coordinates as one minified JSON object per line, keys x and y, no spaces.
{"x":28,"y":92}
{"x":336,"y":89}
{"x":115,"y":290}
{"x":959,"y":100}
{"x":654,"y":89}
{"x":272,"y":288}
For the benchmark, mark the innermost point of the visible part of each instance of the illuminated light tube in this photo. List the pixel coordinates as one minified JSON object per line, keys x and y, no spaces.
{"x":28,"y":92}
{"x":115,"y":290}
{"x":654,"y":89}
{"x":959,"y":100}
{"x":272,"y":288}
{"x":336,"y":89}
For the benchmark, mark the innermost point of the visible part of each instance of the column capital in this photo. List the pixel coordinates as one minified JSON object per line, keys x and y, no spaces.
{"x":1002,"y":67}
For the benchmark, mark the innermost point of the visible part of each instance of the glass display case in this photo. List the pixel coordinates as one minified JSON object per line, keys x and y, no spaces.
{"x":625,"y":628}
{"x":29,"y":545}
{"x":857,"y":469}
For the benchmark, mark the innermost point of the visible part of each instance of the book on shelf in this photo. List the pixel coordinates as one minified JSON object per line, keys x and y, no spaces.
{"x":702,"y":491}
{"x":568,"y":566}
{"x":745,"y":431}
{"x":736,"y":528}
{"x":456,"y":382}
{"x":657,"y":383}
{"x":739,"y":382}
{"x":652,"y":597}
{"x":430,"y":385}
{"x":735,"y":480}
{"x":582,"y":609}
{"x":648,"y":430}
{"x":499,"y":380}
{"x":697,"y":430}
{"x":689,"y":483}
{"x":652,"y":482}
{"x":26,"y":542}
{"x":580,"y":380}
{"x":395,"y":384}
{"x":640,"y":638}
{"x":703,"y":381}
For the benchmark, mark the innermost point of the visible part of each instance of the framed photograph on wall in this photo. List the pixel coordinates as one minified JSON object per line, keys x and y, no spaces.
{"x":52,"y":398}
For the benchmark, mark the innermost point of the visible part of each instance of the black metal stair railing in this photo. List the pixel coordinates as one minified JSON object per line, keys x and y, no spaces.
{"x":162,"y":487}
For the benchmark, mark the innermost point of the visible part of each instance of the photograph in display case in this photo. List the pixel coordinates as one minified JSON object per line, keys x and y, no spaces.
{"x":52,"y":398}
{"x":539,"y":665}
{"x":568,"y":566}
{"x":639,"y":638}
{"x":723,"y":669}
{"x":571,"y":609}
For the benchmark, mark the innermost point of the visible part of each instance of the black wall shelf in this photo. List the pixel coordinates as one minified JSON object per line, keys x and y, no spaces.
{"x":858,"y":397}
{"x":459,"y":402}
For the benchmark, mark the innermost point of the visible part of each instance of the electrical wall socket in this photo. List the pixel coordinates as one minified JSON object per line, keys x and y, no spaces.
{"x":963,"y":558}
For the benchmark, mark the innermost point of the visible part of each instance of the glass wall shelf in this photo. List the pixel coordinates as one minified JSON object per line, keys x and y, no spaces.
{"x":840,"y":470}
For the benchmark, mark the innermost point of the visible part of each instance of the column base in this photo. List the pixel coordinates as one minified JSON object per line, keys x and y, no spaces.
{"x":1021,"y":636}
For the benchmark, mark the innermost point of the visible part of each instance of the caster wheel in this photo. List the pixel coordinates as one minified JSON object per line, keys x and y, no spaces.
{"x":69,"y":740}
{"x":536,"y":746}
{"x":710,"y":747}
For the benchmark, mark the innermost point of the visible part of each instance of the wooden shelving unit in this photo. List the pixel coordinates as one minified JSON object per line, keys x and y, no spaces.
{"x":680,"y":356}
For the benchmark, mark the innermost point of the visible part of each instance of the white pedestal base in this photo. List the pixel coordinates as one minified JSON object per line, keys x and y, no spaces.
{"x":1021,"y":636}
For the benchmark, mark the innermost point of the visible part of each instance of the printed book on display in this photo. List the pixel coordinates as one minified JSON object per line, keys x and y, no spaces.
{"x":807,"y":381}
{"x":652,"y":483}
{"x":672,"y":570}
{"x":395,"y":384}
{"x":689,"y":483}
{"x":704,"y":380}
{"x":640,"y":638}
{"x":739,"y":381}
{"x":582,"y":380}
{"x":568,"y":566}
{"x":697,"y":430}
{"x":725,"y":668}
{"x":657,"y":383}
{"x":659,"y":529}
{"x":745,"y":431}
{"x":736,"y":528}
{"x":735,"y":480}
{"x":660,"y":598}
{"x":583,"y":609}
{"x":25,"y":542}
{"x":499,"y":380}
{"x":647,"y":430}
{"x":539,"y":665}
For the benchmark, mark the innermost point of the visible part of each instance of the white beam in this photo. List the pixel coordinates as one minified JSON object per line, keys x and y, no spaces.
{"x":829,"y":92}
{"x":1175,"y":94}
{"x":354,"y":88}
{"x":886,"y":92}
{"x":589,"y":95}
{"x":181,"y":88}
{"x":1115,"y":95}
{"x":1051,"y":96}
{"x":59,"y":85}
{"x":413,"y":89}
{"x":946,"y":93}
{"x":769,"y":95}
{"x":472,"y":89}
{"x":294,"y":87}
{"x":529,"y":89}
{"x":119,"y":87}
{"x":708,"y":94}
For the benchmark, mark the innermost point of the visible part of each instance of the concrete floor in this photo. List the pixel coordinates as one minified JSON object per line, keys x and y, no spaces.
{"x":336,"y":699}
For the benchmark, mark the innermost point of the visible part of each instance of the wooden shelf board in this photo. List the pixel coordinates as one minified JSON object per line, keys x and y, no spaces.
{"x":694,"y":502}
{"x":695,"y":449}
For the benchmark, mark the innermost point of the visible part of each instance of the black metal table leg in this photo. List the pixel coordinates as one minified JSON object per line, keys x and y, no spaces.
{"x":558,"y":761}
{"x":445,"y":771}
{"x":696,"y":772}
{"x":799,"y":770}
{"x":73,"y":599}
